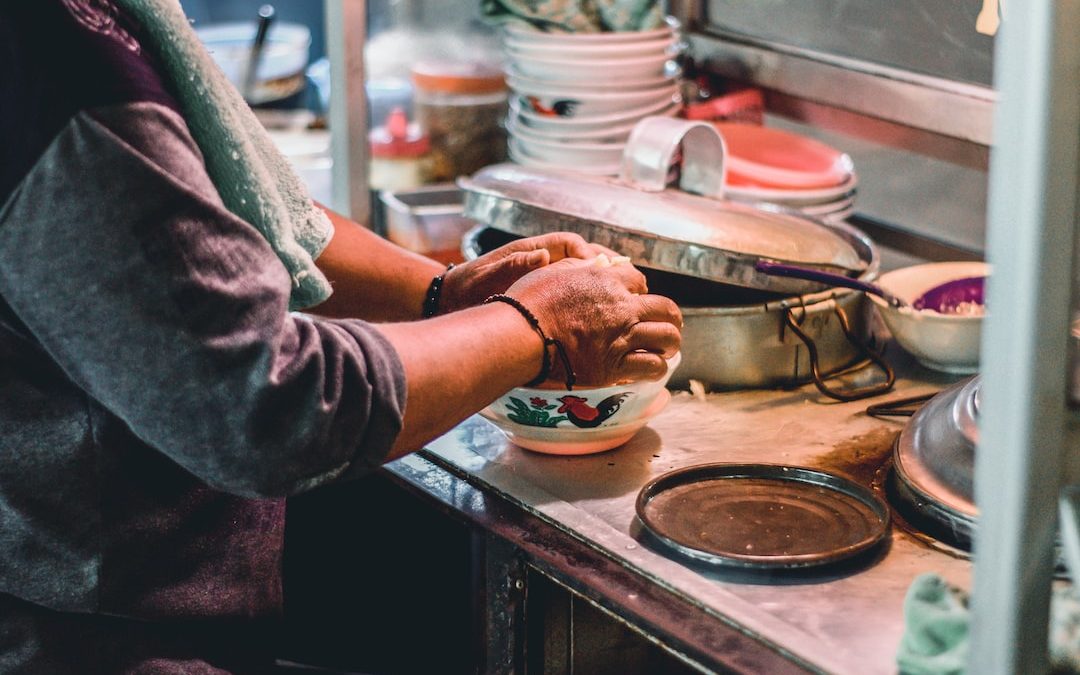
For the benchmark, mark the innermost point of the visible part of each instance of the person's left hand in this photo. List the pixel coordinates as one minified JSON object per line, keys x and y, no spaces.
{"x":470,"y":283}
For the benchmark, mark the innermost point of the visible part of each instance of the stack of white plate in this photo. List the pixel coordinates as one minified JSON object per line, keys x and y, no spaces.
{"x":768,"y":165}
{"x":576,"y":96}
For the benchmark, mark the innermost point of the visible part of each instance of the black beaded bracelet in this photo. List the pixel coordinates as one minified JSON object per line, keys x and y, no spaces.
{"x":560,"y":350}
{"x":434,"y":292}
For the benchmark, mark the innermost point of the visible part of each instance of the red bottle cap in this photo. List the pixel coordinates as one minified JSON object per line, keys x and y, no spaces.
{"x":398,"y":138}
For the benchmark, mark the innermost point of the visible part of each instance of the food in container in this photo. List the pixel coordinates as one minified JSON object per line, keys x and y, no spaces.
{"x":946,"y":342}
{"x":462,"y":106}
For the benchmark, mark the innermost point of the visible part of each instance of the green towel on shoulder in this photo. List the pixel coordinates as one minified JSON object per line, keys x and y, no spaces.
{"x":576,"y":16}
{"x":253,"y":178}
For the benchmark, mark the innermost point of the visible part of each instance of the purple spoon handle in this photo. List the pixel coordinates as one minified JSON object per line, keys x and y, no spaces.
{"x":831,"y":278}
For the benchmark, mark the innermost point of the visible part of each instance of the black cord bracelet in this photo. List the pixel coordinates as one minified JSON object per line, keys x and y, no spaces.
{"x":434,"y":292}
{"x":560,"y":350}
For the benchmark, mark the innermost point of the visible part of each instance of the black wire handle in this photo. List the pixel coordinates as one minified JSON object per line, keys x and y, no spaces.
{"x":853,"y":394}
{"x":901,"y":407}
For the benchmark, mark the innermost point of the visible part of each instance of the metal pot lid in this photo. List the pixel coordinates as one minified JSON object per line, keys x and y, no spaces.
{"x":689,"y":229}
{"x":761,"y":516}
{"x":935,"y":456}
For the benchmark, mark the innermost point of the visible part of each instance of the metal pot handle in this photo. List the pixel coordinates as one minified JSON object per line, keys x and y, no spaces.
{"x":852,"y":394}
{"x":653,"y":147}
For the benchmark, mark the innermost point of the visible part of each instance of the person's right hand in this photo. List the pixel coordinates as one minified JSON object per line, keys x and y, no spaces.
{"x":611,"y":328}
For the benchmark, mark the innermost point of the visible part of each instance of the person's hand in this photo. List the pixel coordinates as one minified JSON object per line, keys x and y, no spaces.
{"x":470,"y":283}
{"x":611,"y":328}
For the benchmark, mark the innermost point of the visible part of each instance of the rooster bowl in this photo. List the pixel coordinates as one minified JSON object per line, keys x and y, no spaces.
{"x":582,"y":420}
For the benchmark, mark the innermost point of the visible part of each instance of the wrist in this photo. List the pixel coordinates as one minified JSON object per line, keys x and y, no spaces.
{"x":553,"y":354}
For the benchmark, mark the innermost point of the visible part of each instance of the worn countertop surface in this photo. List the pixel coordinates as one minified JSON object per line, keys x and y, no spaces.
{"x":842,"y":618}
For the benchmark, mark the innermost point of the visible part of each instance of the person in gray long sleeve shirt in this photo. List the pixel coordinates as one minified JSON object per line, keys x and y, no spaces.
{"x":158,"y":400}
{"x":126,"y":287}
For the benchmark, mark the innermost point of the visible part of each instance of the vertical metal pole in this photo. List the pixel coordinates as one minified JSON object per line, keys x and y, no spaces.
{"x":346,"y":30}
{"x":1023,"y":419}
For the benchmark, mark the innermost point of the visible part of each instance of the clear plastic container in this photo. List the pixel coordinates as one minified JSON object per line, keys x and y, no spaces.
{"x":462,"y":107}
{"x":401,"y":156}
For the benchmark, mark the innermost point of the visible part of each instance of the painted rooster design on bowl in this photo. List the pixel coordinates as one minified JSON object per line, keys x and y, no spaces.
{"x":569,"y":408}
{"x":557,"y":108}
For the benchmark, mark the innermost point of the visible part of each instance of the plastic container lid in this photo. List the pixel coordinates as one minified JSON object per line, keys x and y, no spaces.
{"x":398,"y":138}
{"x":766,"y":157}
{"x":459,"y":77}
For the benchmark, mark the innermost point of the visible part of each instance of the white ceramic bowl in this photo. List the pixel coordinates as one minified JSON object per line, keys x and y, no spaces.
{"x":281,"y":67}
{"x":521,"y":33}
{"x":587,"y":53}
{"x":613,"y":134}
{"x":555,"y":124}
{"x":519,"y":156}
{"x":571,"y":153}
{"x":552,"y":101}
{"x":568,"y":70}
{"x":516,"y":80}
{"x":578,"y":441}
{"x":946,"y":342}
{"x":583,"y":420}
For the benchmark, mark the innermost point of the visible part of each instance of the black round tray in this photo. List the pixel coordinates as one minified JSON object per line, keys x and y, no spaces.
{"x":762,"y":516}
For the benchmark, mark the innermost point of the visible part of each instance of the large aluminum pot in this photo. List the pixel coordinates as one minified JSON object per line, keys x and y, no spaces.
{"x":737,"y":338}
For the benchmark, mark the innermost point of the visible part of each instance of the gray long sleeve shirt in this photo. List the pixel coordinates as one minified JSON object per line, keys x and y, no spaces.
{"x":157,"y":398}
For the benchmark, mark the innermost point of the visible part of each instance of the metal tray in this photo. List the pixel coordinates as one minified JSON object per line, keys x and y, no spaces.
{"x":762,"y":516}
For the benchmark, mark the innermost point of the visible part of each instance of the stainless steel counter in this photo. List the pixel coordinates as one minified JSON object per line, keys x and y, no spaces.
{"x":844,"y":618}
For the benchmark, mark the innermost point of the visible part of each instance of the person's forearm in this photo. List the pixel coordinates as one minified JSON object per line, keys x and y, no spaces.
{"x":459,"y":363}
{"x":373,"y":279}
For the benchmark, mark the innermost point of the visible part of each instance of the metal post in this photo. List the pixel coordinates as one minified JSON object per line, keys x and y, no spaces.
{"x":1024,"y":416}
{"x":346,"y":30}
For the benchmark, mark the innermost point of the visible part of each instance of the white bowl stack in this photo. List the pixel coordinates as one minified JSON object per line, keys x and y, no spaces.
{"x":575,"y":97}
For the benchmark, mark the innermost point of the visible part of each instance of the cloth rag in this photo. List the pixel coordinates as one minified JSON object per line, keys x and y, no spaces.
{"x":254,"y":179}
{"x":576,"y":16}
{"x":936,"y":638}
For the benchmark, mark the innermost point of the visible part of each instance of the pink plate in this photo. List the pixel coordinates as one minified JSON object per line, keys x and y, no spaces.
{"x":759,"y":156}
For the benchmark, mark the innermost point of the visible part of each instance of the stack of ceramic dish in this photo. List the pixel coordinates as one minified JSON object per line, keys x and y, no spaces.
{"x":575,"y":97}
{"x":768,"y":165}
